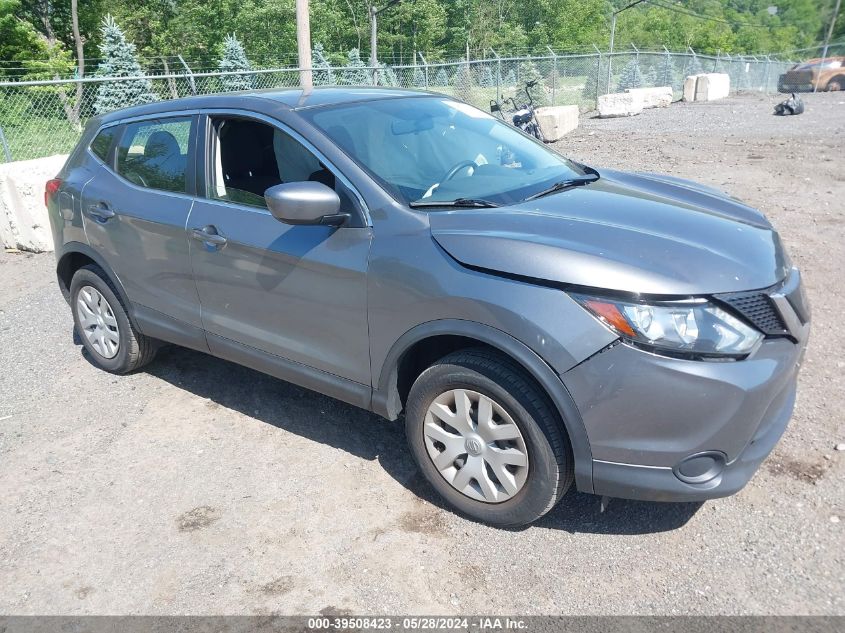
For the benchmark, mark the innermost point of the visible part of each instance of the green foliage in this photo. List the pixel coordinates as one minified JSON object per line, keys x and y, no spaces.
{"x":419,"y":77}
{"x":441,"y":78}
{"x":355,"y":73}
{"x":19,"y":40}
{"x":631,"y":76}
{"x":667,"y":73}
{"x":322,"y":73}
{"x":118,"y":60}
{"x":387,"y":76}
{"x":650,"y":77}
{"x":527,"y":73}
{"x":693,"y":66}
{"x":486,"y":78}
{"x":233,"y":60}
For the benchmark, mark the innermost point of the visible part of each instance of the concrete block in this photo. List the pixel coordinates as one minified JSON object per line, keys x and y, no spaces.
{"x":23,"y":217}
{"x":555,"y":121}
{"x":619,"y":104}
{"x":712,"y":86}
{"x":689,"y":87}
{"x":653,"y":97}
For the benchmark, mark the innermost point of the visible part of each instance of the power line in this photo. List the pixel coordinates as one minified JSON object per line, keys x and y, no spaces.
{"x":700,"y":16}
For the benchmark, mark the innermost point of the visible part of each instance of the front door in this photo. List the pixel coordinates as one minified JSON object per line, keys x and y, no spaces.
{"x":291,"y":292}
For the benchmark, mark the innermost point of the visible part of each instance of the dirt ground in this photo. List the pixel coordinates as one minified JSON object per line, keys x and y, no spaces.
{"x":200,"y":487}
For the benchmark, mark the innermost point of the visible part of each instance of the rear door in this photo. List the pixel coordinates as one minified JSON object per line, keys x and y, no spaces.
{"x":135,"y":210}
{"x":292,"y":292}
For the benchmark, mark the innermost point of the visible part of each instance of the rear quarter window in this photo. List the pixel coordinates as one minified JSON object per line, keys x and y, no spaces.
{"x":102,"y":143}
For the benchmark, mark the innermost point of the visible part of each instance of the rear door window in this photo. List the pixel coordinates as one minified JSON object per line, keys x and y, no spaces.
{"x":154,"y":154}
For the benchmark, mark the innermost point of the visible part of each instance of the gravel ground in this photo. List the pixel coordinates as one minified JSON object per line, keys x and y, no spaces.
{"x":200,"y":487}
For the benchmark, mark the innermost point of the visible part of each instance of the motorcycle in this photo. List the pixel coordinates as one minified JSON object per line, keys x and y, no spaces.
{"x":522,"y":116}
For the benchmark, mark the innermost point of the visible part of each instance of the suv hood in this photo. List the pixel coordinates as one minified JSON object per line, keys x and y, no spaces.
{"x":630,"y":232}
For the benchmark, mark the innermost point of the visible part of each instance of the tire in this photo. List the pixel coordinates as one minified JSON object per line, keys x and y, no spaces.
{"x":122,"y":348}
{"x":835,"y":84}
{"x":514,"y":397}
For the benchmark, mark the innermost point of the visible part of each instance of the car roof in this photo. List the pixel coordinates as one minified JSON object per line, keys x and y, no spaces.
{"x":292,"y":98}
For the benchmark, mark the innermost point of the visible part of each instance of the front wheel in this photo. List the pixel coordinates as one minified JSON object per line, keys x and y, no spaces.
{"x":488,"y":439}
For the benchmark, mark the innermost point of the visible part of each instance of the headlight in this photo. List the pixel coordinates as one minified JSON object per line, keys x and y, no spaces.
{"x":692,"y":327}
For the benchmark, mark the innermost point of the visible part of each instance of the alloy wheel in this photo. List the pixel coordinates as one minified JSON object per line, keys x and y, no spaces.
{"x":476,"y":446}
{"x":97,"y":321}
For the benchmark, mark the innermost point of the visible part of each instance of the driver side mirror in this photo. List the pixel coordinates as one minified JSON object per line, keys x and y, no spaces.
{"x":305,"y":203}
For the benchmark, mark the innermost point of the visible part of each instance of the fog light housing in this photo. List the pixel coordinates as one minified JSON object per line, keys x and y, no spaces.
{"x":701,"y":467}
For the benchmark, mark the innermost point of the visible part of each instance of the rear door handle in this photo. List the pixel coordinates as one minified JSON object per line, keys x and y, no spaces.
{"x":208,"y":235}
{"x":100,"y":211}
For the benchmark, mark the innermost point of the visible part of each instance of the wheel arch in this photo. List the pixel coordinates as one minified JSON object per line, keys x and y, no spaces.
{"x":427,"y":342}
{"x":74,"y":256}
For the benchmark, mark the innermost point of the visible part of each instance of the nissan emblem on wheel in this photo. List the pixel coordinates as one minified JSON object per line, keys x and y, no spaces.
{"x":534,"y":322}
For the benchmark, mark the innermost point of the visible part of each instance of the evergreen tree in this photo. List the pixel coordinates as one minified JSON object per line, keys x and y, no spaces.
{"x":463,"y":82}
{"x":419,"y":77}
{"x":441,"y":79}
{"x":486,"y":79}
{"x":387,"y":76}
{"x":631,"y":76}
{"x":693,"y":67}
{"x":322,"y":72}
{"x":355,"y":73}
{"x":119,"y":60}
{"x":510,"y":78}
{"x":667,"y":73}
{"x":595,"y":81}
{"x":528,"y":73}
{"x":234,"y":59}
{"x":650,"y":77}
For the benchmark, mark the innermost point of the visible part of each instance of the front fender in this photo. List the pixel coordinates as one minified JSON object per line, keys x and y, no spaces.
{"x":386,"y":401}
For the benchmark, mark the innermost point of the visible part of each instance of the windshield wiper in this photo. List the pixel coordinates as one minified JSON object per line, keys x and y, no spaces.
{"x":564,"y":184}
{"x":470,"y":203}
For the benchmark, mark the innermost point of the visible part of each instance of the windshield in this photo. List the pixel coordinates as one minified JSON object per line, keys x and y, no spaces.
{"x":429,"y":149}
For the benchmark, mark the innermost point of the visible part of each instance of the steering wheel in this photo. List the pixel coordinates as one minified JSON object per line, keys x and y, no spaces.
{"x":457,"y":168}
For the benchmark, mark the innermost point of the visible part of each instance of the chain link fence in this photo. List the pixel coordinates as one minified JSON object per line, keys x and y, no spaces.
{"x":41,"y":118}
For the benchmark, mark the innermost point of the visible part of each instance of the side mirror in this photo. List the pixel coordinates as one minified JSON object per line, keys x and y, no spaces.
{"x":304,"y":203}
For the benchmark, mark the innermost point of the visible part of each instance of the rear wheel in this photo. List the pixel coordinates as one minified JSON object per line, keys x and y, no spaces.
{"x":488,"y":439}
{"x":835,"y":84}
{"x":101,"y":320}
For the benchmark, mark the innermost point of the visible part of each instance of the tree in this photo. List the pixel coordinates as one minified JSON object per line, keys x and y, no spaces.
{"x":631,"y":76}
{"x":322,"y":72}
{"x":419,"y":77}
{"x":485,"y":78}
{"x":119,"y":60}
{"x":650,"y":77}
{"x":693,"y":66}
{"x":528,"y":73}
{"x":234,"y":59}
{"x":441,"y":78}
{"x":510,"y":78}
{"x":355,"y":73}
{"x":463,"y":83}
{"x":667,"y":72}
{"x":387,"y":76}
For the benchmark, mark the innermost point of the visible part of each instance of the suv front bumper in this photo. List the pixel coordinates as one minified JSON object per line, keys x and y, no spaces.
{"x":668,"y":429}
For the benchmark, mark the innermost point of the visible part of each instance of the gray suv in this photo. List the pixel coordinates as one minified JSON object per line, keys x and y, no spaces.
{"x":537,"y":322}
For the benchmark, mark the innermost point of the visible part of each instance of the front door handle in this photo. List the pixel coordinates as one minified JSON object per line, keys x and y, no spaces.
{"x":208,"y":235}
{"x":100,"y":211}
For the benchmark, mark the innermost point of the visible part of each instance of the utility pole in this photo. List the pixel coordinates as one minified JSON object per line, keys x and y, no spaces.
{"x":612,"y":37}
{"x":374,"y":35}
{"x":827,"y":38}
{"x":303,"y":43}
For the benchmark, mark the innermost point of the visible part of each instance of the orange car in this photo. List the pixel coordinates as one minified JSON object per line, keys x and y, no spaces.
{"x":821,"y":74}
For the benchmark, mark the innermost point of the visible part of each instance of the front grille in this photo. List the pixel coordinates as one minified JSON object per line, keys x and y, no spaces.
{"x":757,"y":308}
